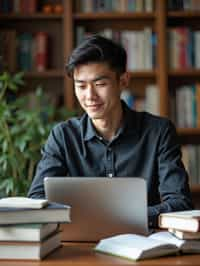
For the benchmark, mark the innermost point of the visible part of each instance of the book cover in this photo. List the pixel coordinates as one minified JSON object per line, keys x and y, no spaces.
{"x":138,"y":247}
{"x":23,"y":202}
{"x":26,"y":232}
{"x":52,"y":213}
{"x":184,"y":235}
{"x":29,"y":250}
{"x":188,"y":221}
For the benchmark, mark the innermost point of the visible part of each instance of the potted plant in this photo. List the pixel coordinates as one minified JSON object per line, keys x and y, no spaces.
{"x":23,"y":131}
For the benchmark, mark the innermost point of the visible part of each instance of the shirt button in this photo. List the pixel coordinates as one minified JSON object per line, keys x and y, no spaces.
{"x":110,"y":175}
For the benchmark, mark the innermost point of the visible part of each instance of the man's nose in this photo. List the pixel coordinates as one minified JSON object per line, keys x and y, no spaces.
{"x":90,"y":92}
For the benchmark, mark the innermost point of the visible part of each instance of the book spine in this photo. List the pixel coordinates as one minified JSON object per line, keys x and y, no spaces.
{"x":41,"y":43}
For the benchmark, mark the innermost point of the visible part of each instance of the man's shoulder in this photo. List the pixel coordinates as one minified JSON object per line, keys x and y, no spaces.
{"x":151,"y":121}
{"x":73,"y":123}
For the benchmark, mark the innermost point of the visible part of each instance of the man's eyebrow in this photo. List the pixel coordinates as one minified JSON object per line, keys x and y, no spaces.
{"x":94,"y":80}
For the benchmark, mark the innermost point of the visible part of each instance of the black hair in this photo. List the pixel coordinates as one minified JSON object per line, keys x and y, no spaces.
{"x":98,"y":49}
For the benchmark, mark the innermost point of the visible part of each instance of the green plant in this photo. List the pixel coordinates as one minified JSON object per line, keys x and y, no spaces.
{"x":23,"y":131}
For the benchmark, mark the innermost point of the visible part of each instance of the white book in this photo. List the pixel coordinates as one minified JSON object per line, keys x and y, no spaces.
{"x":152,"y":99}
{"x":23,"y":202}
{"x":148,"y":50}
{"x":26,"y":232}
{"x":148,"y":5}
{"x":29,"y":250}
{"x":137,"y":247}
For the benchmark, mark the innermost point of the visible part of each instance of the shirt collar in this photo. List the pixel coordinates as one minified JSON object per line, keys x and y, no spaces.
{"x":130,"y":125}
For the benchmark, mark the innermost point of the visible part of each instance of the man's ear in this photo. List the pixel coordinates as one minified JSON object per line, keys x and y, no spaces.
{"x":124,"y":80}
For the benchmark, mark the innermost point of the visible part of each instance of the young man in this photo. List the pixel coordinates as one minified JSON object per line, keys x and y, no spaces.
{"x":110,"y":139}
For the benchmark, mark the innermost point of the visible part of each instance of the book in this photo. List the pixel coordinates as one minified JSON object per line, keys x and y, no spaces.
{"x":26,"y":232}
{"x":23,"y":202}
{"x":8,"y":50}
{"x":29,"y":250}
{"x":184,"y":235}
{"x":52,"y":213}
{"x":138,"y":247}
{"x":188,"y":221}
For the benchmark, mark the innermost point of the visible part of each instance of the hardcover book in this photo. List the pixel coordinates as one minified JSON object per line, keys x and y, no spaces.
{"x":52,"y":213}
{"x":138,"y":247}
{"x":188,"y":221}
{"x":29,"y":250}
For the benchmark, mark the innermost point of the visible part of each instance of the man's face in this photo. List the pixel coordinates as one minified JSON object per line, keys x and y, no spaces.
{"x":97,"y":89}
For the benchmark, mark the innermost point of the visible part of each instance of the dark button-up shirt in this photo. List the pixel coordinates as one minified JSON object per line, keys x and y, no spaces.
{"x":145,"y":146}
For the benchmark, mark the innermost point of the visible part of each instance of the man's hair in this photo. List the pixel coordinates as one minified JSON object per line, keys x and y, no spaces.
{"x":97,"y":49}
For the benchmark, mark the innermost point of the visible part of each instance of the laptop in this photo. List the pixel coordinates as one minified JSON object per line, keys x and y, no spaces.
{"x":100,"y":206}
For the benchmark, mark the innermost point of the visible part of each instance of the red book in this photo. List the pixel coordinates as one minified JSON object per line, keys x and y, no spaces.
{"x":41,"y":52}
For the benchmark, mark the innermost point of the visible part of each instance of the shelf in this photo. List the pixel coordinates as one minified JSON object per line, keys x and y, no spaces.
{"x":114,"y":15}
{"x":188,"y":131}
{"x":195,"y":189}
{"x":185,"y":73}
{"x":45,"y":74}
{"x":143,"y":74}
{"x":184,"y":14}
{"x":36,"y":16}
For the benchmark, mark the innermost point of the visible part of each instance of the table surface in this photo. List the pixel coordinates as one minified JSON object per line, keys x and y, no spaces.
{"x":83,"y":254}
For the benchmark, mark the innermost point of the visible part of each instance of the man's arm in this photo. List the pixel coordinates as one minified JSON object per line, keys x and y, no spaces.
{"x":173,"y":178}
{"x":52,"y":163}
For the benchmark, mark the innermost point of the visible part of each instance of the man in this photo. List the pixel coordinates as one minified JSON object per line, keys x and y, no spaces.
{"x":110,"y":139}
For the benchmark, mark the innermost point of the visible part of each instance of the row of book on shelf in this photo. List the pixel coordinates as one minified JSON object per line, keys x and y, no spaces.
{"x":183,"y":47}
{"x":115,"y":6}
{"x":184,"y":103}
{"x":25,"y":51}
{"x":185,"y":106}
{"x":140,"y":45}
{"x":183,"y":5}
{"x":18,"y":6}
{"x":181,"y":236}
{"x":29,"y":228}
{"x":30,"y":7}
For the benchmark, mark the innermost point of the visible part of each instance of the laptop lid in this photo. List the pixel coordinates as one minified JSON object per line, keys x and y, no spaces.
{"x":101,"y":206}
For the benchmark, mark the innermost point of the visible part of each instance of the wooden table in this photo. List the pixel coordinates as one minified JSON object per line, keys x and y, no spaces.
{"x":81,"y":254}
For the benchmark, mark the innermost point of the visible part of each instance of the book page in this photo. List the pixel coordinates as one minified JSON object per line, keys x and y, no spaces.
{"x":167,"y":237}
{"x":134,"y":241}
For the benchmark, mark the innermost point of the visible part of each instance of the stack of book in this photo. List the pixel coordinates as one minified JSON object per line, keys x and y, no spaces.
{"x":182,"y":224}
{"x":29,"y":227}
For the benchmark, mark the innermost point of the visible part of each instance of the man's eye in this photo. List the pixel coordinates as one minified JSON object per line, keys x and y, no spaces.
{"x":80,"y":87}
{"x":100,"y":84}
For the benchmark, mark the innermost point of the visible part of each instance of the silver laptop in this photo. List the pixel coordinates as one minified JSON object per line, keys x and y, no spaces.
{"x":101,"y":206}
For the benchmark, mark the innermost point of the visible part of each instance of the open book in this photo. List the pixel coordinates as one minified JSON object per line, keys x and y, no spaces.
{"x":136,"y":247}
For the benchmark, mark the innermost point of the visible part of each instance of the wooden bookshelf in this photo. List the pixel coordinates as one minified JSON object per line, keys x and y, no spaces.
{"x":62,"y":28}
{"x":45,"y":74}
{"x":36,"y":16}
{"x":114,"y":16}
{"x":52,"y":78}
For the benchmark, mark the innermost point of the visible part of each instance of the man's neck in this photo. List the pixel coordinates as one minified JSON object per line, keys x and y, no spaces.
{"x":108,"y":128}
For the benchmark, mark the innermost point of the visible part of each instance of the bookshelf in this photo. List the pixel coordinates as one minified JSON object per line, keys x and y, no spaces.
{"x":52,"y":78}
{"x":62,"y":28}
